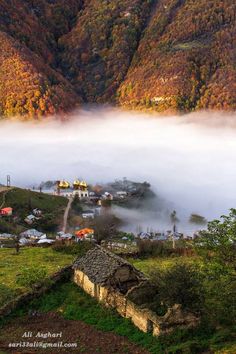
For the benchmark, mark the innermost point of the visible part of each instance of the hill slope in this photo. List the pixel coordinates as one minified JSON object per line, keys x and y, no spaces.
{"x":30,"y":84}
{"x":186,"y":58}
{"x":165,"y":55}
{"x":23,"y":202}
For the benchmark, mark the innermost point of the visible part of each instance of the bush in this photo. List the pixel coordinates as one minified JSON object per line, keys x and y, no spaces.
{"x":180,"y":284}
{"x":152,"y":248}
{"x":218,"y":242}
{"x":197,"y":219}
{"x":76,"y":205}
{"x":77,"y":249}
{"x":220,"y":304}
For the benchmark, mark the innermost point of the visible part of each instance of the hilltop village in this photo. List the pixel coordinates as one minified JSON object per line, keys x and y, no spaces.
{"x":80,"y":211}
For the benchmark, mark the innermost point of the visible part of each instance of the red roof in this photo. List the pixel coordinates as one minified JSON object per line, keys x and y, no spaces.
{"x":82,"y":233}
{"x":6,"y":211}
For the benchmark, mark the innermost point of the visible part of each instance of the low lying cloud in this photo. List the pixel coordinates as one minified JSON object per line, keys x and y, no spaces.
{"x":190,"y":160}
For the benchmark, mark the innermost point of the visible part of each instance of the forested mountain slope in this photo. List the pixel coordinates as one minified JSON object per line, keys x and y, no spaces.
{"x":186,"y":58}
{"x":30,"y":82}
{"x":164,"y":55}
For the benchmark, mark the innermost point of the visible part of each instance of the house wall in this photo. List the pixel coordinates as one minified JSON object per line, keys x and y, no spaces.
{"x":146,"y":320}
{"x":81,"y":194}
{"x":83,"y":281}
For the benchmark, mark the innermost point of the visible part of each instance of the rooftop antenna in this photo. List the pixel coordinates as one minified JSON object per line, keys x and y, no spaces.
{"x":8,"y":181}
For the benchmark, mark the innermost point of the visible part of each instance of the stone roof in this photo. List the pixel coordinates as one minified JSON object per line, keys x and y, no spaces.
{"x":100,"y":265}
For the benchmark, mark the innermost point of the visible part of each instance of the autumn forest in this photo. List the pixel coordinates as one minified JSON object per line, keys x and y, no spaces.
{"x":157,"y":55}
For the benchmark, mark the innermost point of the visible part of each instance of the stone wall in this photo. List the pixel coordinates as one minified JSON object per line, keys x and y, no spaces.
{"x":143,"y":318}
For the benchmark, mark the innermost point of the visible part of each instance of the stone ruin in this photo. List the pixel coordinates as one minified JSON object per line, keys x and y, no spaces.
{"x":116,"y":283}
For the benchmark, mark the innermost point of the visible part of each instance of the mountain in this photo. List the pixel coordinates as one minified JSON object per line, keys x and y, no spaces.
{"x":166,"y":55}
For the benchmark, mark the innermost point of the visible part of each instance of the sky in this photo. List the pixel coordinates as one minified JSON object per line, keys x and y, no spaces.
{"x":189,"y":160}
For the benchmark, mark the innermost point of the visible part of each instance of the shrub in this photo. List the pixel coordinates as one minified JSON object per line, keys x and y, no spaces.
{"x":220,"y":289}
{"x":152,"y":248}
{"x":218,"y":242}
{"x":180,"y":284}
{"x":197,"y":219}
{"x":77,"y":249}
{"x":76,"y":205}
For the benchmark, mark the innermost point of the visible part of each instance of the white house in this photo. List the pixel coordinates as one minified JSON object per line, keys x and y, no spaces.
{"x":37,"y":212}
{"x":30,"y":219}
{"x":88,"y":214}
{"x":121,"y":194}
{"x":45,"y":240}
{"x":33,"y":234}
{"x":107,"y":196}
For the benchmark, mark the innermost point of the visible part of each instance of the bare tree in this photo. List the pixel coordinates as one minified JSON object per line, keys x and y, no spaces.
{"x":17,"y":243}
{"x":105,"y":227}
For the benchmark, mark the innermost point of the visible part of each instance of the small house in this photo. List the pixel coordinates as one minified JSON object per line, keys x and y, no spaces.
{"x":30,"y":219}
{"x":45,"y":241}
{"x":84,"y":234}
{"x":6,"y":236}
{"x":121,"y":194}
{"x":24,"y":241}
{"x":6,"y":211}
{"x":94,"y":196}
{"x":37,"y":212}
{"x":102,"y":268}
{"x":144,"y":235}
{"x":88,"y":214}
{"x":118,"y":284}
{"x":107,"y":196}
{"x":33,"y":234}
{"x":64,"y":236}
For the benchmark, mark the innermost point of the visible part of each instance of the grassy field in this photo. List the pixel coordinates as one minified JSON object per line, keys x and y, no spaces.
{"x":147,"y":265}
{"x":11,"y":265}
{"x":73,"y":304}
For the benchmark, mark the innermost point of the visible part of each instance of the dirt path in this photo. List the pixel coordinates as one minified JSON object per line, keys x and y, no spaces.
{"x":88,"y":339}
{"x":65,"y":218}
{"x":4,"y":191}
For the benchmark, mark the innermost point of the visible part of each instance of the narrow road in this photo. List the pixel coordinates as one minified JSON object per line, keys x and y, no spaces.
{"x":65,"y":218}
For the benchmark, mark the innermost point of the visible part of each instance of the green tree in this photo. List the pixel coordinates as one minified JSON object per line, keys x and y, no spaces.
{"x":197,"y":219}
{"x":180,"y":284}
{"x":217,"y":245}
{"x":105,"y":227}
{"x":173,"y":217}
{"x":218,"y":242}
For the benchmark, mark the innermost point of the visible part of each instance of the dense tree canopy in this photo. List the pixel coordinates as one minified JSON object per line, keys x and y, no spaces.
{"x":168,"y":55}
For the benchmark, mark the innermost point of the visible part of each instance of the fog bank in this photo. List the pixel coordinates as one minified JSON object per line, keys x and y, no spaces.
{"x":189,"y":160}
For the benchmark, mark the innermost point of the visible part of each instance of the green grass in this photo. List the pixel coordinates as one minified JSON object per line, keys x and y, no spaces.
{"x":11,"y":265}
{"x":149,"y":264}
{"x":23,"y":200}
{"x":74,"y":304}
